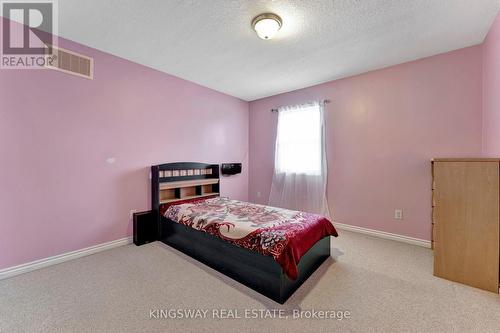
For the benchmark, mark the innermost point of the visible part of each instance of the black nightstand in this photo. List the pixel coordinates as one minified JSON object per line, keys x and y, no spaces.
{"x":145,"y":228}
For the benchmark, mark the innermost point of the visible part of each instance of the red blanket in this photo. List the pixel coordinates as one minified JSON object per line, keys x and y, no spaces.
{"x":285,"y":235}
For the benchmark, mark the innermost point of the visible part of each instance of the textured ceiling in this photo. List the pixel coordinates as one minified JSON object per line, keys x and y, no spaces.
{"x":210,"y":42}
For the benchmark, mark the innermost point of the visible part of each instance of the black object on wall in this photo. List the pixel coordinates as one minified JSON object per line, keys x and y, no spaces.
{"x":231,"y":168}
{"x":145,"y":228}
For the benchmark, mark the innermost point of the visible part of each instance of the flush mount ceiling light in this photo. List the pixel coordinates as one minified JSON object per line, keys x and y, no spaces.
{"x":266,"y":25}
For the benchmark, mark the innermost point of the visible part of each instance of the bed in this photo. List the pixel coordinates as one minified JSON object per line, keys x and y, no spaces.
{"x":271,"y":250}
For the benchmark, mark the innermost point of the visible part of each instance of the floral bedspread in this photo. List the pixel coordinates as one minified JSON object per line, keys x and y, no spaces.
{"x":283,"y":234}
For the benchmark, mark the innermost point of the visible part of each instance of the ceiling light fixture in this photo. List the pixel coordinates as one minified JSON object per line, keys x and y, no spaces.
{"x":266,"y":25}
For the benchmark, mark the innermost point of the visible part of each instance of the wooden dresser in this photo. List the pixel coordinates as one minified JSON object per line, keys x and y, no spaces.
{"x":465,"y":221}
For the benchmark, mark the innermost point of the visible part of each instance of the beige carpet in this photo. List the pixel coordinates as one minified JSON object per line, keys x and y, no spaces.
{"x":387,"y":287}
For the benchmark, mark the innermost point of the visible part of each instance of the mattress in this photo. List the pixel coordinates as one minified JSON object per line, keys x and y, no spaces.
{"x":284,"y":234}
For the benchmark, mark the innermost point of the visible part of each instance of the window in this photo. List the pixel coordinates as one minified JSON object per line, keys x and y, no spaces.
{"x":299,"y":140}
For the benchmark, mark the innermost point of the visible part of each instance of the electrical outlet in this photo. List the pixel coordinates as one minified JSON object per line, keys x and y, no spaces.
{"x":259,"y":194}
{"x":398,"y":214}
{"x":131,"y":213}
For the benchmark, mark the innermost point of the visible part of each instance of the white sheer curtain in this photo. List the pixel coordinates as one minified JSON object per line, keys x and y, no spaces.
{"x":300,"y":169}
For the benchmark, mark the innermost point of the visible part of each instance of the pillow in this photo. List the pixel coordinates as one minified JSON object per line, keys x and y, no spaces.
{"x":164,"y":207}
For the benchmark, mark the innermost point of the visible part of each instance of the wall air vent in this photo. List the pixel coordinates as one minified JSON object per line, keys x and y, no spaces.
{"x":71,"y":62}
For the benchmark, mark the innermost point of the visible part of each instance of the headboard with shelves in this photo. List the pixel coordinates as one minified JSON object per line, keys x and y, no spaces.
{"x":175,"y":182}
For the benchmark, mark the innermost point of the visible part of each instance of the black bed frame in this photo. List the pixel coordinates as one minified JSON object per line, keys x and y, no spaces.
{"x":260,"y":273}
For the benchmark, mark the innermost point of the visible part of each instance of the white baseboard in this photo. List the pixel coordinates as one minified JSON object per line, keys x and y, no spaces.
{"x":30,"y":266}
{"x":383,"y":234}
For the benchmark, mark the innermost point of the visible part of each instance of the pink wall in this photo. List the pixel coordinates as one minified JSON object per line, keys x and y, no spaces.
{"x":383,"y":127}
{"x":58,"y":193}
{"x":491,"y":91}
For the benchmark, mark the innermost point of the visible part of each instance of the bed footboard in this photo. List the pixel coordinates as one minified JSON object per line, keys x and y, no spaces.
{"x":258,"y":272}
